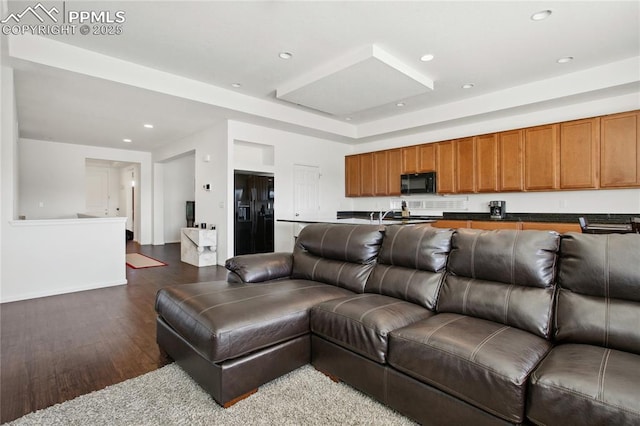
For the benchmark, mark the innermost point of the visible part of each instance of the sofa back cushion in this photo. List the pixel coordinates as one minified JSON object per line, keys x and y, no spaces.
{"x":599,"y":291}
{"x":504,"y":276}
{"x":341,"y":255}
{"x":411,"y":263}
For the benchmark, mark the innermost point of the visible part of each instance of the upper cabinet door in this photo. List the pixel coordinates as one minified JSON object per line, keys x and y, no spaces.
{"x":510,"y":158}
{"x":409,"y":159}
{"x":394,"y":163}
{"x":620,"y":150}
{"x":380,"y":180}
{"x":427,"y":158}
{"x":579,"y":149}
{"x":487,"y":163}
{"x":352,"y":175}
{"x":367,"y":173}
{"x":541,"y":158}
{"x":465,"y":165}
{"x":446,"y":167}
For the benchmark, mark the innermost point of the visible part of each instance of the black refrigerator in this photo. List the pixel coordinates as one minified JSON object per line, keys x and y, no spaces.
{"x":254,"y":197}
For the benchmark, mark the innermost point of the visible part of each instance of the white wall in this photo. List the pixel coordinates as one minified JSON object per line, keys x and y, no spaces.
{"x":49,"y":257}
{"x":179,"y":187}
{"x":8,"y":168}
{"x":42,"y":257}
{"x":595,"y":201}
{"x":290,"y":149}
{"x":210,"y":153}
{"x":54,"y":173}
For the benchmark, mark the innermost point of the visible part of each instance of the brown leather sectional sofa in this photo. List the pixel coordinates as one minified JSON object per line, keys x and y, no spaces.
{"x":447,"y":327}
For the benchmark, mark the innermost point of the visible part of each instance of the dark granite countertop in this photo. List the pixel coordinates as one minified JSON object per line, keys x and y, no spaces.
{"x":511,"y":217}
{"x":545,"y":217}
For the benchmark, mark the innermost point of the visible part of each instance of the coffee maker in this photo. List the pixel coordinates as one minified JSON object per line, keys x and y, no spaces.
{"x":497,"y":209}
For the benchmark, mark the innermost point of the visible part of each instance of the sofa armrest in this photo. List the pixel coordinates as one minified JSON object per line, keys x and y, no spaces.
{"x":254,"y":268}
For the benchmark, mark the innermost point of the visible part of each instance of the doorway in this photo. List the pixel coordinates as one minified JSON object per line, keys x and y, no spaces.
{"x":110,"y":190}
{"x":306,"y":191}
{"x":179,"y":189}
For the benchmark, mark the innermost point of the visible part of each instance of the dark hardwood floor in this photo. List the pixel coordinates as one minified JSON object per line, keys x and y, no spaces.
{"x":56,"y":348}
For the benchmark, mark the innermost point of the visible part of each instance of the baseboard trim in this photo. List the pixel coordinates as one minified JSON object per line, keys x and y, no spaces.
{"x":55,"y":292}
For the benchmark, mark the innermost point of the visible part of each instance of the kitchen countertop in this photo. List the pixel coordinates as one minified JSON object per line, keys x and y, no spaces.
{"x":544,"y":217}
{"x":609,"y":218}
{"x":362,"y":218}
{"x":359,"y":221}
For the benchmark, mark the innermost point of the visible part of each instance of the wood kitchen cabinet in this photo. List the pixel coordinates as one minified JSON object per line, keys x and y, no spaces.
{"x":427,"y":158}
{"x":510,"y":160}
{"x":465,"y":150}
{"x":487,"y":163}
{"x":394,"y":165}
{"x":352,"y":175}
{"x":367,"y":173}
{"x":620,"y":150}
{"x":599,"y":152}
{"x":560,"y":228}
{"x":380,"y":180}
{"x":419,"y":158}
{"x":494,"y":224}
{"x":409,"y":159}
{"x":446,"y":167}
{"x":579,"y":154}
{"x":453,"y":224}
{"x":541,"y":158}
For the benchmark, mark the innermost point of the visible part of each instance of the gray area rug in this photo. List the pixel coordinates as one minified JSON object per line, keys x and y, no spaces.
{"x":168,"y":396}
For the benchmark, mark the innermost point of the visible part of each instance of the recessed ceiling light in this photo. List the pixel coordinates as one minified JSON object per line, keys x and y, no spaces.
{"x":539,"y":16}
{"x":565,"y":60}
{"x":400,"y":104}
{"x":467,"y":86}
{"x":285,"y":55}
{"x":427,"y":58}
{"x":236,"y":85}
{"x":127,"y":140}
{"x":148,"y":126}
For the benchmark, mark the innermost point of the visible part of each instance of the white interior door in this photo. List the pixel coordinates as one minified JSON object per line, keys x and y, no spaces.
{"x":97,"y":193}
{"x":306,"y":187}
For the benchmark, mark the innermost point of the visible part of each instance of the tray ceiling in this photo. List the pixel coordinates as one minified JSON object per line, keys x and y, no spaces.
{"x":365,"y":79}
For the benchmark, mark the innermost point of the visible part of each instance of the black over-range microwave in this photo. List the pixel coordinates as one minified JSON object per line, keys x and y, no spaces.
{"x":418,"y":183}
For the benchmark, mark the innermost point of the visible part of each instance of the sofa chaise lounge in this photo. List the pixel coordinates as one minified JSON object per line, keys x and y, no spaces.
{"x":446,"y":327}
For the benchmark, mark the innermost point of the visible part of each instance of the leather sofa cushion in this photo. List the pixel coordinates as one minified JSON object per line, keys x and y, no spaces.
{"x":347,"y":243}
{"x":226,"y":320}
{"x":352,"y":276}
{"x":412,"y":285}
{"x":361,"y":323}
{"x":417,"y":247}
{"x":411,"y":264}
{"x":527,"y":308}
{"x":525,"y":258}
{"x":582,"y":384}
{"x":505,"y":276}
{"x":341,"y":255}
{"x":484,"y":363}
{"x":611,"y":323}
{"x":599,"y":296}
{"x":601,"y":265}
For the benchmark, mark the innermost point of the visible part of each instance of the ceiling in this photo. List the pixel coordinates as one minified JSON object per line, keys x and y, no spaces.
{"x":355,"y":72}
